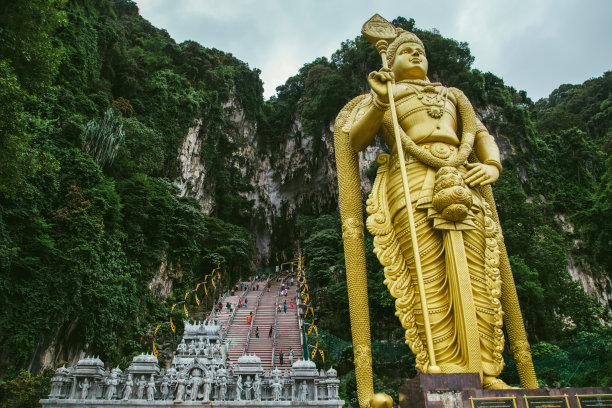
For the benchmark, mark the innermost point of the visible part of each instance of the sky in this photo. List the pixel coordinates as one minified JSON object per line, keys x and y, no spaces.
{"x":534,"y":45}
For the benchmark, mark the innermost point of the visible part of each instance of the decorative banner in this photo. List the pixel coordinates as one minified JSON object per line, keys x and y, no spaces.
{"x":155,"y":332}
{"x":306,"y":298}
{"x":218,"y":274}
{"x":172,"y":310}
{"x":312,"y":326}
{"x":205,"y":291}
{"x":314,"y":351}
{"x":305,"y":288}
{"x":185,"y":309}
{"x":172,"y":326}
{"x":322,"y":355}
{"x":154,"y":349}
{"x":197,"y":300}
{"x":309,"y":308}
{"x":186,"y":294}
{"x":213,"y":283}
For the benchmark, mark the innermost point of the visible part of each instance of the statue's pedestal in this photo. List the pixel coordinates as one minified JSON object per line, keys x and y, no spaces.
{"x":465,"y":391}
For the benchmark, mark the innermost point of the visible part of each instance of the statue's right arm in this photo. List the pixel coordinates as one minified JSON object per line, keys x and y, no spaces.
{"x":366,"y":126}
{"x":370,"y":116}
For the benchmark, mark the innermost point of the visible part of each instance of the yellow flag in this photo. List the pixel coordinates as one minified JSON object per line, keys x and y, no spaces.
{"x":172,"y":326}
{"x":197,"y":300}
{"x":218,"y":264}
{"x":310,"y":328}
{"x":322,"y":355}
{"x":198,"y":285}
{"x":213,"y":283}
{"x":218,"y":274}
{"x":186,"y":294}
{"x":185,"y":309}
{"x":313,"y":354}
{"x":154,"y":350}
{"x":205,"y":291}
{"x":172,"y":310}
{"x":155,"y":333}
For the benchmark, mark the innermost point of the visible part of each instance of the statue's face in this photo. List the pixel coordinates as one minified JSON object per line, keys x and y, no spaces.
{"x":410,"y":62}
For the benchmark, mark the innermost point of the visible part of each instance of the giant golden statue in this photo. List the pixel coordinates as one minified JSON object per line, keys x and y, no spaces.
{"x":433,"y":218}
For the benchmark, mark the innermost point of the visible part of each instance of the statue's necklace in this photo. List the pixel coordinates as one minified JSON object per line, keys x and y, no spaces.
{"x":434,"y":100}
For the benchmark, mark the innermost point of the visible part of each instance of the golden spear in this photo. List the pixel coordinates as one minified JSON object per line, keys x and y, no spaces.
{"x":380,"y":32}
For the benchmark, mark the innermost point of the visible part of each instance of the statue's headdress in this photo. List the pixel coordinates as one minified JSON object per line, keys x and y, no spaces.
{"x":403,"y":37}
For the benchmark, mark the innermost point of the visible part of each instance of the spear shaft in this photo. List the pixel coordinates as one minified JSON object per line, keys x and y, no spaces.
{"x":381,"y":46}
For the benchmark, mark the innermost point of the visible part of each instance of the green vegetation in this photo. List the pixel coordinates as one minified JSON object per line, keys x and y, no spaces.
{"x":95,"y":104}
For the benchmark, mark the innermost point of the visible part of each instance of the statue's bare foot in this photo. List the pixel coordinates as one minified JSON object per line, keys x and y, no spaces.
{"x":492,"y":383}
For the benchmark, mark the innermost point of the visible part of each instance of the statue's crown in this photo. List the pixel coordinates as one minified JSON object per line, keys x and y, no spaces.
{"x":403,"y":37}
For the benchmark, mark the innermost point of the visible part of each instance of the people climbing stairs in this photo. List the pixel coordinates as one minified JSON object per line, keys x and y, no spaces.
{"x":261,"y":317}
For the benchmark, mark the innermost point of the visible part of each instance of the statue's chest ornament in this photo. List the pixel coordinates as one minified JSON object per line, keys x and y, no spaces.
{"x":434,"y":99}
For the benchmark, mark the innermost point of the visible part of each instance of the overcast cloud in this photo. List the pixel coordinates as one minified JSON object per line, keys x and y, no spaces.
{"x":534,"y":45}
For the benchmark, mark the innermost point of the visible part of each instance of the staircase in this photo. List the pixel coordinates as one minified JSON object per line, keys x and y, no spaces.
{"x":238,"y":330}
{"x":288,"y":334}
{"x":264,"y":318}
{"x":242,"y":336}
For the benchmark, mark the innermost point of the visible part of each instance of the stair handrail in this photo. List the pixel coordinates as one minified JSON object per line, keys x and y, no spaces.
{"x":300,"y":324}
{"x":246,"y":346}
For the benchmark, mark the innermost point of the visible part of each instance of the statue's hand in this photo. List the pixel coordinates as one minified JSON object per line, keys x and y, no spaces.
{"x":480,"y":174}
{"x":378,"y":82}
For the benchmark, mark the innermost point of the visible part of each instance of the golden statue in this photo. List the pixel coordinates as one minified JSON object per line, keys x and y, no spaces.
{"x":433,"y":218}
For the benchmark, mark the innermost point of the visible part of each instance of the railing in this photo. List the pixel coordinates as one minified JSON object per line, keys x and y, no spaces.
{"x":246,"y":346}
{"x":298,"y":298}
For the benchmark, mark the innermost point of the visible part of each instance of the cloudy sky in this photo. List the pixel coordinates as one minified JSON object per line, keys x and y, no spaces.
{"x":534,"y":45}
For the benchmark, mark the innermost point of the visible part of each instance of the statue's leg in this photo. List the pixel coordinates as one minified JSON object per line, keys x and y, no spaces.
{"x":448,"y":354}
{"x":485,"y":289}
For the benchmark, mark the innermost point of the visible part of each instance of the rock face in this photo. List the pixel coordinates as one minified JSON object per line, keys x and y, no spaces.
{"x":192,"y":181}
{"x":294,"y":175}
{"x":285,"y":178}
{"x":599,"y":288}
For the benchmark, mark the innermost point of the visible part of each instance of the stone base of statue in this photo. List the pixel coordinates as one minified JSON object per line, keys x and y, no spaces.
{"x":465,"y":391}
